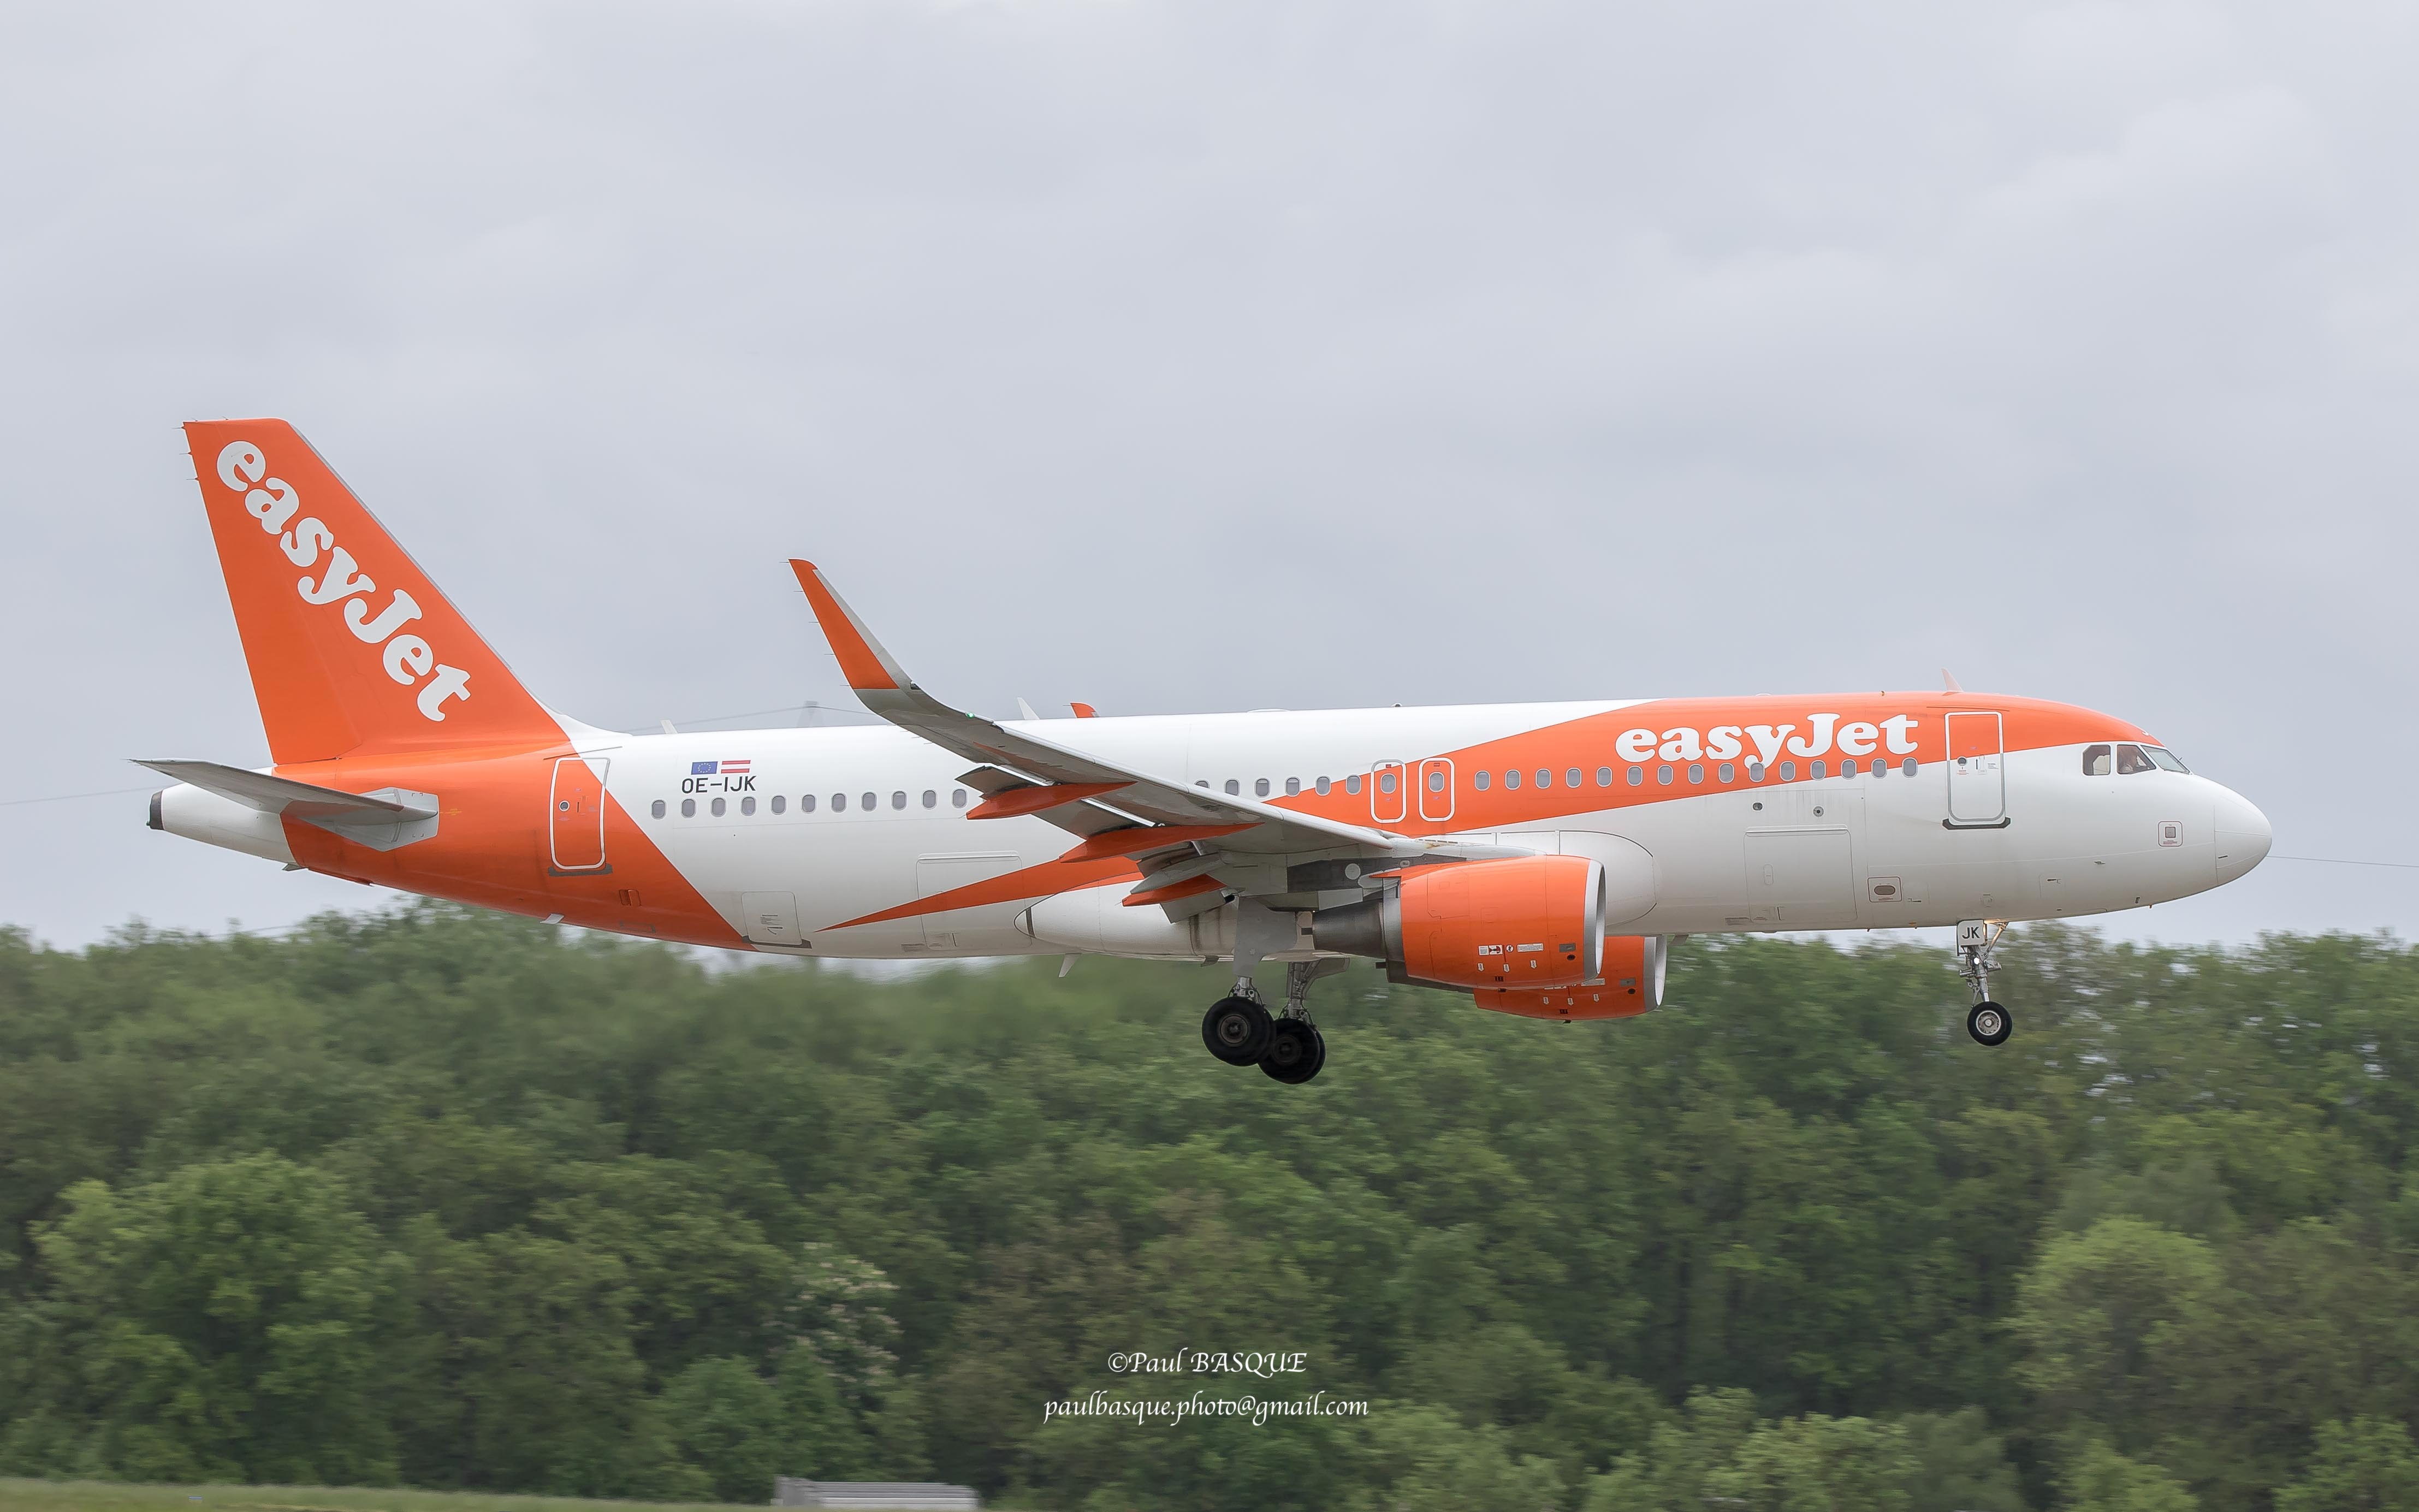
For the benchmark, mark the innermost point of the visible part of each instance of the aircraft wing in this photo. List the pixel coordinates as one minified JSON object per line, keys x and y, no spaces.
{"x":1118,"y":811}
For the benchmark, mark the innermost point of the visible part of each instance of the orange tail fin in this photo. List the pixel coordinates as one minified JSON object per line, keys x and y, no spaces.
{"x":352,"y":649}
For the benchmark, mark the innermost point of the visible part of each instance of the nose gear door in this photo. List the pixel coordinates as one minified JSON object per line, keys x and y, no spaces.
{"x":1977,"y":780}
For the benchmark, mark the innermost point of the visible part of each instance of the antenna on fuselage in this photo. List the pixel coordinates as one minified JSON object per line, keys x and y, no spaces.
{"x":1949,"y":681}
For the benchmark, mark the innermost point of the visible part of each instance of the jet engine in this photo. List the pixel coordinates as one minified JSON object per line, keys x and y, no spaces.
{"x":1523,"y":935}
{"x":1531,"y":921}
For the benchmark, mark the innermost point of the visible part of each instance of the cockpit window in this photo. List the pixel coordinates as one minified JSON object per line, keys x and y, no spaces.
{"x":2167,"y":759}
{"x":2130,"y":760}
{"x":2095,"y":760}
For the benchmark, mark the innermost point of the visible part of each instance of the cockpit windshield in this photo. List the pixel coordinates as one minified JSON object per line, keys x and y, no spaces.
{"x":2128,"y":759}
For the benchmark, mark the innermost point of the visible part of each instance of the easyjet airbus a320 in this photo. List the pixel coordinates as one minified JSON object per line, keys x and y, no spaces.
{"x":1537,"y":856}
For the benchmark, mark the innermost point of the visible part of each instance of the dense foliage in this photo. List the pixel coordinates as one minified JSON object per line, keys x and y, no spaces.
{"x":462,"y":1201}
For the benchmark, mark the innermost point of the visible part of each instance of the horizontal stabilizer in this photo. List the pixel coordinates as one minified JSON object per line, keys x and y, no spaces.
{"x":381,"y":819}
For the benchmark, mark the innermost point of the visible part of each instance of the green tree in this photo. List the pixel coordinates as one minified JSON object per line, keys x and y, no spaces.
{"x":1420,"y":1460}
{"x":2102,"y":1480}
{"x":2118,"y":1322}
{"x":1959,"y":1465}
{"x":2365,"y":1465}
{"x":225,"y":1321}
{"x":727,"y":1422}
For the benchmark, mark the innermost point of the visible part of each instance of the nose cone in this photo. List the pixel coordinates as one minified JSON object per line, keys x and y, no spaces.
{"x":2242,"y":835}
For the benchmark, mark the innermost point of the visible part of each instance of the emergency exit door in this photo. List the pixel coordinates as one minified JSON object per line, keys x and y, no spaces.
{"x":575,"y":814}
{"x":1977,"y":778}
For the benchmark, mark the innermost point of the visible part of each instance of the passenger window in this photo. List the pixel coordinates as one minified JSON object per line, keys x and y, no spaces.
{"x":1324,"y":786}
{"x":932,"y":799}
{"x":806,"y":803}
{"x":1727,"y":772}
{"x":899,"y":800}
{"x":1604,"y":777}
{"x":1637,"y":776}
{"x":1696,"y":771}
{"x":1293,"y":786}
{"x":718,"y":807}
{"x":689,"y":808}
{"x":1482,"y":780}
{"x":1906,"y":767}
{"x":1435,"y":781}
{"x":1814,"y":770}
{"x":1755,"y":771}
{"x":1260,"y":788}
{"x":1386,"y":782}
{"x":867,"y":802}
{"x":1352,"y":783}
{"x":2096,"y":762}
{"x":2130,"y":760}
{"x":780,"y":803}
{"x":957,"y":797}
{"x":2166,"y":758}
{"x":1544,"y":778}
{"x":839,"y":803}
{"x":1789,"y":771}
{"x":1571,"y":778}
{"x":1848,"y":768}
{"x":747,"y":806}
{"x":656,"y":808}
{"x":1234,"y":789}
{"x":1663,"y":774}
{"x":1511,"y":776}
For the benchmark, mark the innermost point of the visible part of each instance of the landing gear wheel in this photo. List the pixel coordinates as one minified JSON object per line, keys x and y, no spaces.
{"x":1295,"y":1051}
{"x":1237,"y":1031}
{"x":1989,"y":1024}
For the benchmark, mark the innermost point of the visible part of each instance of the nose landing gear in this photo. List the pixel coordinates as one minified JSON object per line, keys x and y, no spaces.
{"x":1987,"y":1021}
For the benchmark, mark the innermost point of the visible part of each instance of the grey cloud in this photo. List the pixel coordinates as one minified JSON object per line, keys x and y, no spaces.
{"x":1731,"y":347}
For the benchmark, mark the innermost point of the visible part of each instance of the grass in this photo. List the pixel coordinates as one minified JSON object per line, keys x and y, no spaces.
{"x":115,"y":1496}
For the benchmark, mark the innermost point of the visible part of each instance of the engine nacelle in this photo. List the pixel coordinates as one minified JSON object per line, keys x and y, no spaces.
{"x":1632,"y":984}
{"x":1527,"y":923}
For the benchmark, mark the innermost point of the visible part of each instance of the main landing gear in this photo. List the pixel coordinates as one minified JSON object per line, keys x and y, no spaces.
{"x":1240,"y":1030}
{"x":1986,"y":1021}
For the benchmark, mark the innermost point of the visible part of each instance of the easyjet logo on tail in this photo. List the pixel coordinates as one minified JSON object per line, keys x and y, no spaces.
{"x":408,"y":658}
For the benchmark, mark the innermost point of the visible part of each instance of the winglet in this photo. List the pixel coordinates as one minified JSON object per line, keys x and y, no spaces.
{"x":868,"y":668}
{"x":1948,"y":683}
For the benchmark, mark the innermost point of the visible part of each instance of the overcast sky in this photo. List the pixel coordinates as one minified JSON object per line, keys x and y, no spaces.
{"x":1235,"y":355}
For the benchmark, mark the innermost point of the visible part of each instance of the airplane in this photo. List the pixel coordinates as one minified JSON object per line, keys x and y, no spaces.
{"x":1542,"y":858}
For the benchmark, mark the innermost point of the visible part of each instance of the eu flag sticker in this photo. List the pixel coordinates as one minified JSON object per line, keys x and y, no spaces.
{"x":700,"y":768}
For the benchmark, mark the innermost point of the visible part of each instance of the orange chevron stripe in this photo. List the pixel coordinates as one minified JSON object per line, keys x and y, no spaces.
{"x":1031,"y":882}
{"x":1588,"y":742}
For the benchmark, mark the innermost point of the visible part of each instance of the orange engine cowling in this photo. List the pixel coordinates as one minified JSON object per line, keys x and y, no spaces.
{"x":1522,"y":924}
{"x":1632,"y":984}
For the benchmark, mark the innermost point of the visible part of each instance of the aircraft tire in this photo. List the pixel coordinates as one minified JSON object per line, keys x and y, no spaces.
{"x":1237,"y":1031}
{"x":1989,"y":1024}
{"x":1295,"y":1051}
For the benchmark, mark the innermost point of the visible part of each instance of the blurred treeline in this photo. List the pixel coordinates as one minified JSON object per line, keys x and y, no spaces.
{"x":460,"y":1202}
